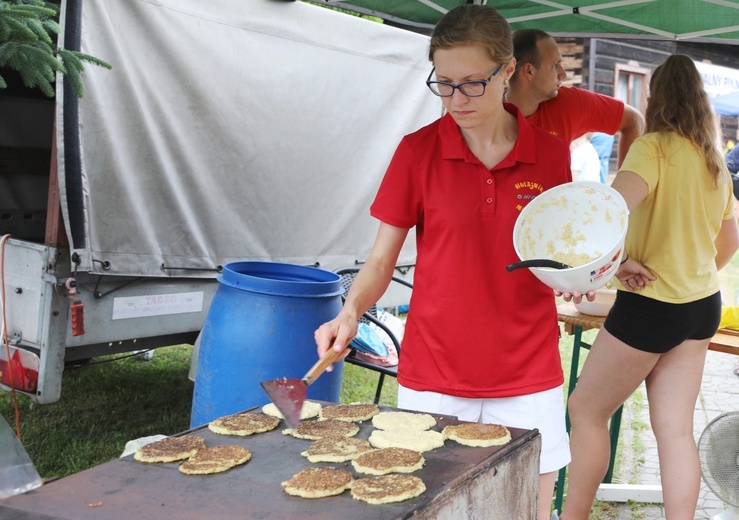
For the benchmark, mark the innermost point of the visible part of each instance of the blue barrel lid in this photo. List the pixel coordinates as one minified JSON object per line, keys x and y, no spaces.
{"x":281,"y":279}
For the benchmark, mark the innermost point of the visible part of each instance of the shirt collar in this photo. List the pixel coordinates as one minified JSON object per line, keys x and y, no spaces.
{"x":454,"y":147}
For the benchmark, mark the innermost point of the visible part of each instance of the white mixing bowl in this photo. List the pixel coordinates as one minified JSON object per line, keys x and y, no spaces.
{"x":582,"y":224}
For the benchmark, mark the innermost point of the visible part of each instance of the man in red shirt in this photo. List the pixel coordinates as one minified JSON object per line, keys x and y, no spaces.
{"x":566,"y":112}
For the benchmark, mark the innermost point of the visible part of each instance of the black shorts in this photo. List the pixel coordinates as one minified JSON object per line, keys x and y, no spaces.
{"x":653,"y":326}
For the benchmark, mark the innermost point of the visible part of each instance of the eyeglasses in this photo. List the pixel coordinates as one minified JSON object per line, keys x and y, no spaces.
{"x":468,"y":88}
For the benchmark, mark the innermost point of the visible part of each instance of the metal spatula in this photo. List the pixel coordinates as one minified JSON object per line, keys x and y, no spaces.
{"x":17,"y":472}
{"x":288,"y":395}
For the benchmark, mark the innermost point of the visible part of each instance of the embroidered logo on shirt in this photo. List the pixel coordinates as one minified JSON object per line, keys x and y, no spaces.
{"x":525,"y":198}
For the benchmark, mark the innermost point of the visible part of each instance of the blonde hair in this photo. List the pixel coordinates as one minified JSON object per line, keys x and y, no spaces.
{"x":474,"y":25}
{"x":678,"y":103}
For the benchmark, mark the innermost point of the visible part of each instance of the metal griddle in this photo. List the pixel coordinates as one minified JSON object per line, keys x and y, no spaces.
{"x":125,"y":488}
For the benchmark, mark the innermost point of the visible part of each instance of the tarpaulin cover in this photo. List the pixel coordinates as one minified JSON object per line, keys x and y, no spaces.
{"x":232,"y":130}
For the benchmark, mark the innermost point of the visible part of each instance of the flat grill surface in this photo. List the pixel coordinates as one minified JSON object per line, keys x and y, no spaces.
{"x":125,"y":488}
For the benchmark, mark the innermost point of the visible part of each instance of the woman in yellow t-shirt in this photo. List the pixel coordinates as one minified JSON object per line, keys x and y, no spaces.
{"x":682,"y":230}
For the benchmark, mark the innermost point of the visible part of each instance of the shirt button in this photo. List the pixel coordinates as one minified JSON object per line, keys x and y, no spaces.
{"x":490,"y":181}
{"x":489,"y":200}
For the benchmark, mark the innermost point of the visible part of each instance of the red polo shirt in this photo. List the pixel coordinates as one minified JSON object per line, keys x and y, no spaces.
{"x":474,"y":329}
{"x":576,"y":111}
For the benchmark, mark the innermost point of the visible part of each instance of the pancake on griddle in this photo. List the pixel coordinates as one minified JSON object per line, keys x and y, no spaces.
{"x":420,"y":441}
{"x":310,"y":409}
{"x":215,"y":460}
{"x":244,"y":424}
{"x":318,"y":482}
{"x":336,"y":450}
{"x":386,"y":489}
{"x":355,"y":412}
{"x":478,"y":435}
{"x":330,"y":428}
{"x":388,"y":460}
{"x":170,"y":449}
{"x":403,"y":421}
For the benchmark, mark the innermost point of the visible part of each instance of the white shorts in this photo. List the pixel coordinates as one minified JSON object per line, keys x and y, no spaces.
{"x":542,"y":410}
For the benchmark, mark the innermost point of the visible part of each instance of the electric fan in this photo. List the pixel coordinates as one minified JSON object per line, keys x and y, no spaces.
{"x":718,"y":449}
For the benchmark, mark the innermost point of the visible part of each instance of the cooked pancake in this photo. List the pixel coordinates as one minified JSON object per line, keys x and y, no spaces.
{"x":403,"y":421}
{"x":336,"y":450}
{"x":350,"y":412}
{"x":386,"y":489}
{"x":389,"y":460}
{"x":478,"y":435}
{"x":244,"y":424}
{"x":419,"y":441}
{"x":170,"y":449}
{"x":215,"y":460}
{"x":318,"y":483}
{"x":310,"y":409}
{"x":330,"y":428}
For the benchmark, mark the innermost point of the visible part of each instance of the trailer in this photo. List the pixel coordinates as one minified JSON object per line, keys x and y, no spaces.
{"x":225,"y":131}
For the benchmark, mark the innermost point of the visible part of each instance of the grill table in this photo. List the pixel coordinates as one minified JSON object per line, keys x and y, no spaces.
{"x":461,"y":482}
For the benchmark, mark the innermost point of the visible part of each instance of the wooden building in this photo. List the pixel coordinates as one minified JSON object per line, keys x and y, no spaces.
{"x":622,"y":68}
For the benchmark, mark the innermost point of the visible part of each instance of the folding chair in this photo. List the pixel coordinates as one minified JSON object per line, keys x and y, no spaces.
{"x":347,"y":275}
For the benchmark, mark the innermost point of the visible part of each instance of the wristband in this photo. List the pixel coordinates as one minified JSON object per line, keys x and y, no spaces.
{"x":624,"y":260}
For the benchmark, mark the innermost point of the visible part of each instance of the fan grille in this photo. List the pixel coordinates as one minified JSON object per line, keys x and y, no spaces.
{"x":718,"y":449}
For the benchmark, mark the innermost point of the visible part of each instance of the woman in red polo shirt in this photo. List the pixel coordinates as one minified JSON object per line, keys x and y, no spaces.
{"x":480,"y":343}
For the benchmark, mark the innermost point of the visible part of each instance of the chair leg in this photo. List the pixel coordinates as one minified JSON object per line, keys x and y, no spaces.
{"x":379,"y":388}
{"x":560,"y":491}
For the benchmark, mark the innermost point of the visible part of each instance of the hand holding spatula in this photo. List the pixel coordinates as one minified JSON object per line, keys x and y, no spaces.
{"x":288,"y":395}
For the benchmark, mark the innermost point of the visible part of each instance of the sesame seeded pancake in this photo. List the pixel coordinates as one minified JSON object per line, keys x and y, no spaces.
{"x":336,"y":450}
{"x":330,"y":428}
{"x":478,"y":435}
{"x":387,"y":489}
{"x":389,"y":460}
{"x":215,"y":460}
{"x":244,"y":424}
{"x":350,"y":412}
{"x":318,"y":482}
{"x":403,"y":421}
{"x":170,"y":449}
{"x":420,"y":441}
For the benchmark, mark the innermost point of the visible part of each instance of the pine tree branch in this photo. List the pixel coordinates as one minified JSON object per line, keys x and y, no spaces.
{"x":24,"y":15}
{"x":42,"y":75}
{"x":74,"y":63}
{"x":28,"y":30}
{"x":17,"y":28}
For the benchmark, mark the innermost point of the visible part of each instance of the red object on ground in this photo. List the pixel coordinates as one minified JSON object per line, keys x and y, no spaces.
{"x":24,"y":378}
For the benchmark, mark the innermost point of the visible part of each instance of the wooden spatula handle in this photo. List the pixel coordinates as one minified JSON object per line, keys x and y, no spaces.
{"x":329,"y":357}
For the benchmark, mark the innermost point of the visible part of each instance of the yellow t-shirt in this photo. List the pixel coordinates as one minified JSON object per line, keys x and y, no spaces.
{"x":672,"y":231}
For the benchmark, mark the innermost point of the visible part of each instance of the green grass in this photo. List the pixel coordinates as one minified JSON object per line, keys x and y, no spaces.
{"x":103,"y":406}
{"x":359,"y":384}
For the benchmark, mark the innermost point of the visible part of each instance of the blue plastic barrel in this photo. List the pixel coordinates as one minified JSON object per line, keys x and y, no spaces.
{"x":259,"y":327}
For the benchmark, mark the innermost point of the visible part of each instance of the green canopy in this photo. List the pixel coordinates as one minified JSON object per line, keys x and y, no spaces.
{"x":714,"y":21}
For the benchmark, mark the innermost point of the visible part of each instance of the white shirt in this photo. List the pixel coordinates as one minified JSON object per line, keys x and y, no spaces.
{"x":585,"y":163}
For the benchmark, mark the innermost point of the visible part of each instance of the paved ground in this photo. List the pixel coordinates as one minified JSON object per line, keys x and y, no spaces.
{"x":719,"y":394}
